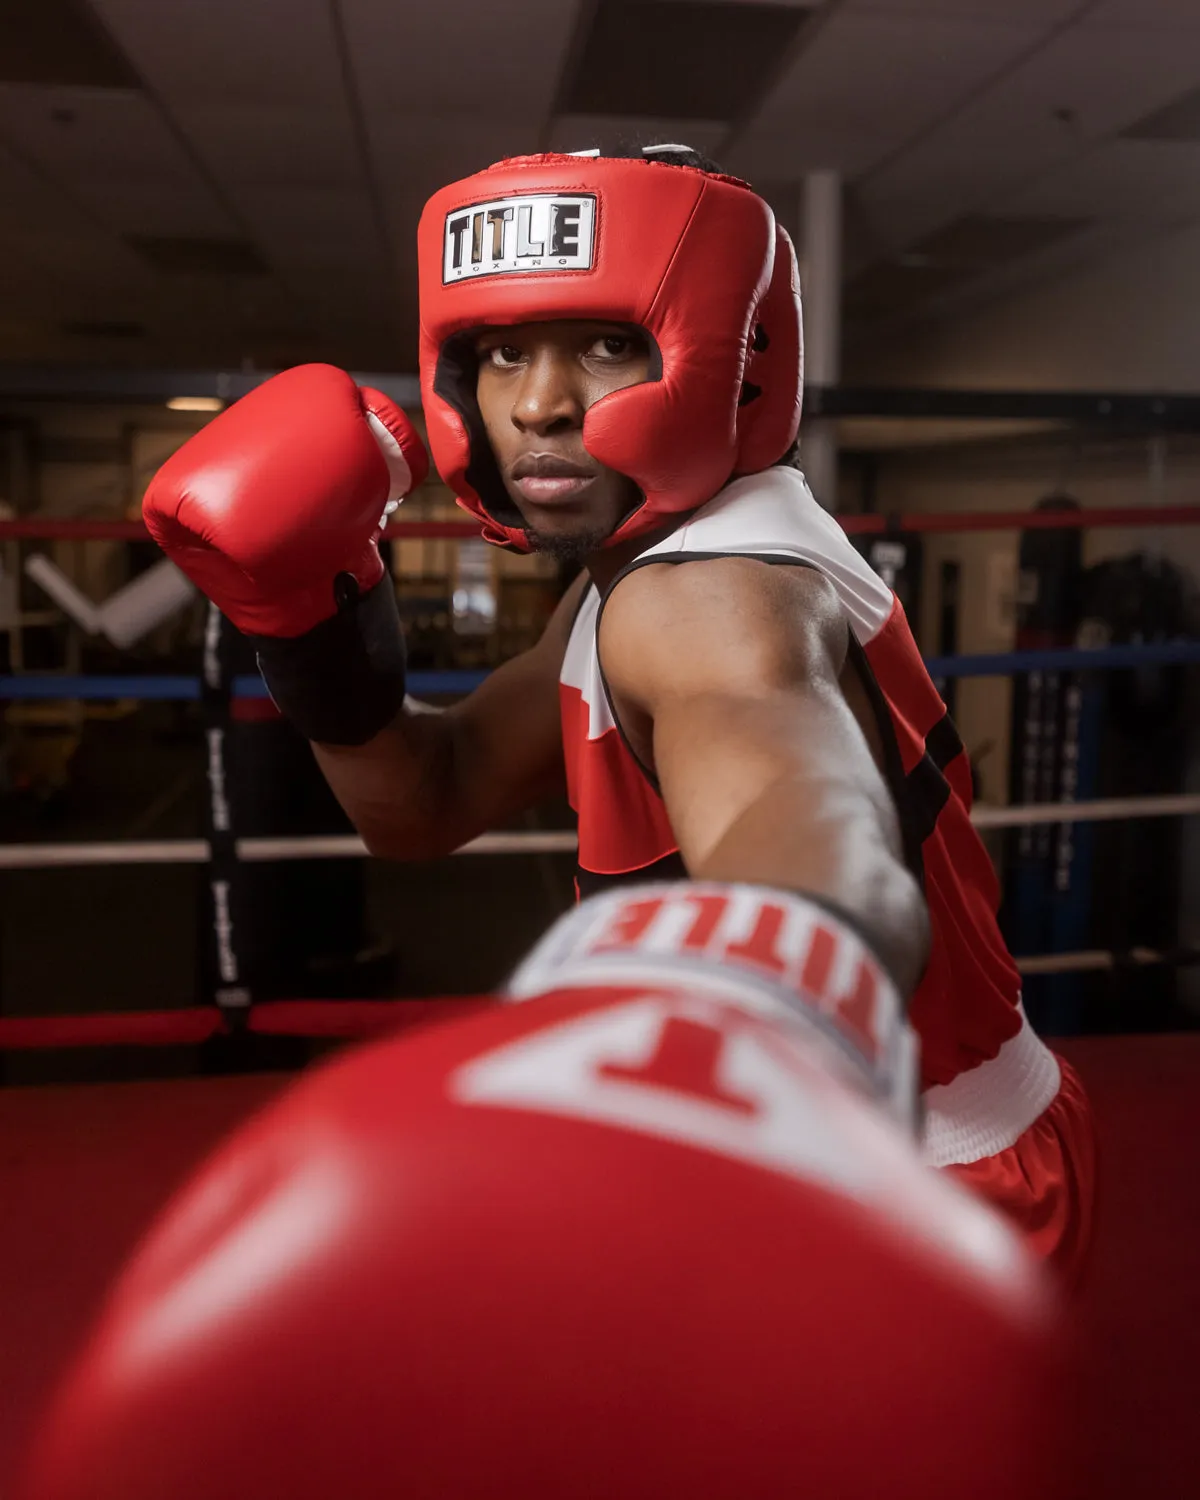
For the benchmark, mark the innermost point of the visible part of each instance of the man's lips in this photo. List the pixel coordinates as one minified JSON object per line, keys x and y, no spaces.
{"x":541,"y":488}
{"x":543,"y":477}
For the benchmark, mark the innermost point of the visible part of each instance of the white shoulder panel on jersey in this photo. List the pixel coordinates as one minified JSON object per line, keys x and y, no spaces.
{"x":774,"y":514}
{"x":581,"y":666}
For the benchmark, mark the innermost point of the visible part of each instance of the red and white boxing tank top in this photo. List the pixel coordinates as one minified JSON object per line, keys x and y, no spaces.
{"x":965,"y":1007}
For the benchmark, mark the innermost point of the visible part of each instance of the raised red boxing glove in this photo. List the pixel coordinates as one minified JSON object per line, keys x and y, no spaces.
{"x":643,"y":1238}
{"x":266,"y":505}
{"x":274,"y":510}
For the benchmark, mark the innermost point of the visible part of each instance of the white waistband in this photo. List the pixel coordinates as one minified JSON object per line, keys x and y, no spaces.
{"x":984,"y":1111}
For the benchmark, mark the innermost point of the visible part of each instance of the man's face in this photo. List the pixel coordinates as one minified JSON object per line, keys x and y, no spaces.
{"x":536,"y":383}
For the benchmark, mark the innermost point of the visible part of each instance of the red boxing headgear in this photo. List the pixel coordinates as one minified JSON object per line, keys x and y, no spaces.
{"x":693,"y":258}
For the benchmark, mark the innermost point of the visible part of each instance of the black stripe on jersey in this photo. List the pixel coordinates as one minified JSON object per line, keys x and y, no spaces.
{"x":669,"y":867}
{"x":922,"y":793}
{"x":926,"y":790}
{"x":942,"y":743}
{"x":893,"y":762}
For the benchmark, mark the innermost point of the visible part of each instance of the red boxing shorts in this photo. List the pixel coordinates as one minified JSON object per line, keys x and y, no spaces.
{"x":1018,"y":1131}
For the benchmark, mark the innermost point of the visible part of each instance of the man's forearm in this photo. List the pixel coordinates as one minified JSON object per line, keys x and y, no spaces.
{"x":400,"y":789}
{"x":837,"y":845}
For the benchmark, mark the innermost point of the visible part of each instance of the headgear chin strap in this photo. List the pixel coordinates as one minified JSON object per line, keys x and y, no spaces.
{"x":693,"y":258}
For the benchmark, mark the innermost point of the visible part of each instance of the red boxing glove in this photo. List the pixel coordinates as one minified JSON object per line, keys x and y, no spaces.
{"x":274,"y":510}
{"x":644,"y":1238}
{"x":268,"y":503}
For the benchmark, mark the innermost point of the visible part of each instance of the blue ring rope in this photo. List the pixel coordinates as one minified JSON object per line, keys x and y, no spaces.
{"x":150,"y":689}
{"x":988,"y":664}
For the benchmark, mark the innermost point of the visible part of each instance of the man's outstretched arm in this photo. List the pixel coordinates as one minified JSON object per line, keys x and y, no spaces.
{"x":729,"y":671}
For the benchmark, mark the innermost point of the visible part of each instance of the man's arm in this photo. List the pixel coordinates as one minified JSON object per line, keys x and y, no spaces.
{"x":729,"y":672}
{"x":436,"y":778}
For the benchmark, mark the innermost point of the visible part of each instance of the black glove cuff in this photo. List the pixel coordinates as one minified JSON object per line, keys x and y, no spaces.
{"x":343,"y":681}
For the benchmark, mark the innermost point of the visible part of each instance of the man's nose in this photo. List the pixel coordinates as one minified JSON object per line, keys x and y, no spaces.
{"x":548,"y":400}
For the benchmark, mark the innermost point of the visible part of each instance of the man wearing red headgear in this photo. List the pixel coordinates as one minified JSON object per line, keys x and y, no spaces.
{"x":648,"y":1234}
{"x":611,"y":371}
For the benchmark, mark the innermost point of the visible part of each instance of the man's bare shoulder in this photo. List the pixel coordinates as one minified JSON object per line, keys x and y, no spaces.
{"x":716,"y":614}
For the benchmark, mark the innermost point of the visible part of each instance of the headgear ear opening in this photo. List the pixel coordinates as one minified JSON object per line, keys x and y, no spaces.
{"x":454,"y":382}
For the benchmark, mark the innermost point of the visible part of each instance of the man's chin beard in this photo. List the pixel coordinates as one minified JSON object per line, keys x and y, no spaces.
{"x":570,"y":549}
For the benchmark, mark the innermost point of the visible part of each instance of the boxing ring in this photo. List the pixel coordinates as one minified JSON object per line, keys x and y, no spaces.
{"x":83,"y":1168}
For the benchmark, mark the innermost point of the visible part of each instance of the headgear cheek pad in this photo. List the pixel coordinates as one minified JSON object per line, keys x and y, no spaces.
{"x":693,"y":258}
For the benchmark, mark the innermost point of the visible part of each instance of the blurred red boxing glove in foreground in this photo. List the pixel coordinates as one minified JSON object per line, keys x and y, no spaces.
{"x":654,"y":1231}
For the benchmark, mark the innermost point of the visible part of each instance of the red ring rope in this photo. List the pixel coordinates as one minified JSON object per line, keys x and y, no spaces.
{"x":198,"y":1023}
{"x":137,"y":1028}
{"x":1026,"y":520}
{"x":49,"y":530}
{"x":348,"y":1018}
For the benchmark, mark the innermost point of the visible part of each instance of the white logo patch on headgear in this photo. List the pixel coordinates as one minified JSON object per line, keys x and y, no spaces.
{"x":530,"y":233}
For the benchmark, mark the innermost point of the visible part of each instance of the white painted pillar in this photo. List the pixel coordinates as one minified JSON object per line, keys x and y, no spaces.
{"x":821,"y":286}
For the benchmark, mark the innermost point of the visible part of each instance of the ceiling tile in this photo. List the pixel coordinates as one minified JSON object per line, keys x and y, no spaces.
{"x":360,"y":297}
{"x":32,"y":201}
{"x":978,"y":241}
{"x":961,"y":253}
{"x":810,"y":5}
{"x":1144,"y":15}
{"x":868,"y":74}
{"x":23,"y":278}
{"x":479,"y":59}
{"x":1119,"y":180}
{"x":198,"y":255}
{"x":138,"y":206}
{"x":1177,"y":121}
{"x":113,"y":154}
{"x":316,"y":227}
{"x":252,"y":301}
{"x":58,"y":41}
{"x":75,"y":132}
{"x":1073,"y":92}
{"x":1045,"y":13}
{"x":107,"y":328}
{"x":1106,"y":83}
{"x":84,"y":258}
{"x":273,"y":143}
{"x":258,"y":52}
{"x":1055,"y":262}
{"x":689,"y":61}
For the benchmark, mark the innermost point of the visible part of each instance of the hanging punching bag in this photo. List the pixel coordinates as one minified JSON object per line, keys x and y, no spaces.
{"x":1138,"y":897}
{"x":1046,"y":874}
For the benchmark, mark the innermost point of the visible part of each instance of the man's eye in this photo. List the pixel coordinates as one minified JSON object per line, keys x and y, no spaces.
{"x":612,"y":346}
{"x":504,"y":354}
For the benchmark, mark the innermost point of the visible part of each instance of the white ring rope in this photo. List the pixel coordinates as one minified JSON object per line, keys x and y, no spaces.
{"x":1096,"y":960}
{"x":349,"y":847}
{"x":1102,"y":810}
{"x":258,"y":850}
{"x":251,"y":851}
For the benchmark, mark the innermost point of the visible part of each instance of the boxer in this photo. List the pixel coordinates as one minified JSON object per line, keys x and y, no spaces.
{"x":647,"y":1231}
{"x":611,"y":370}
